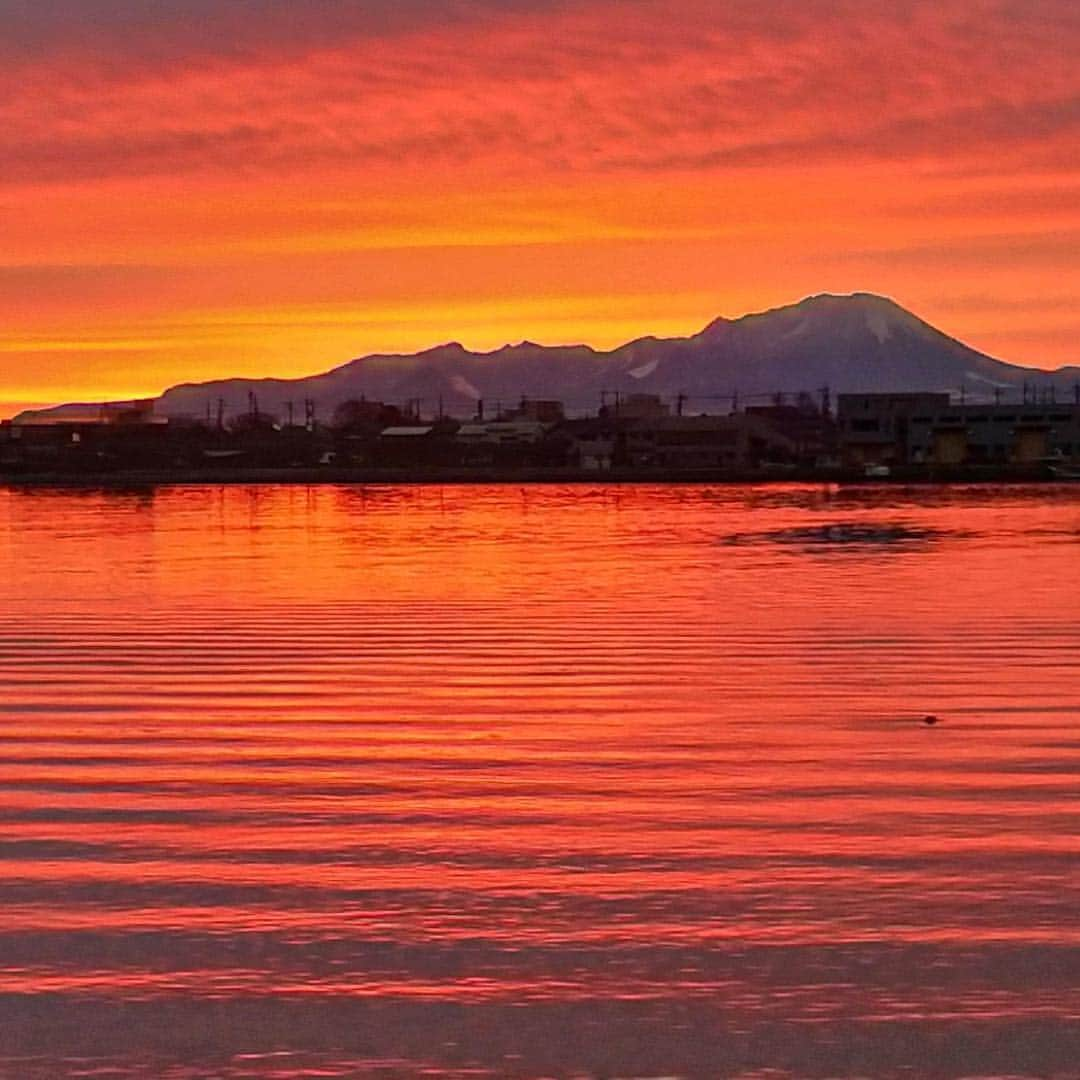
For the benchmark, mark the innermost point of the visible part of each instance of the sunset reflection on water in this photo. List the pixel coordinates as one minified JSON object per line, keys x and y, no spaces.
{"x":540,"y":781}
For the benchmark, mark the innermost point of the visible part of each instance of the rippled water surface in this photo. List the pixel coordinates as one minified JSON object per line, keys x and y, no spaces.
{"x":540,"y":781}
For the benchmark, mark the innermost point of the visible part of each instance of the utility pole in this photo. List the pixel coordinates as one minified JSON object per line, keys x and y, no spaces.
{"x":679,"y":401}
{"x":289,"y":406}
{"x":309,"y":414}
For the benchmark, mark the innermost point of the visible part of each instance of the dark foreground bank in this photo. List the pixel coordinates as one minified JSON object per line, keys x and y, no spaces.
{"x":121,"y":478}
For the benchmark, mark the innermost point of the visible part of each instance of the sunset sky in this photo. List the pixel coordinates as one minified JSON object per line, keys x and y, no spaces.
{"x":196,"y":188}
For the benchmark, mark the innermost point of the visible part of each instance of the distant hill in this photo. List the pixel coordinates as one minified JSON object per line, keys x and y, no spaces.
{"x":851,"y":343}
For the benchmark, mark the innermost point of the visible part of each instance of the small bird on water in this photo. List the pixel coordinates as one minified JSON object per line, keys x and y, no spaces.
{"x":931,"y":720}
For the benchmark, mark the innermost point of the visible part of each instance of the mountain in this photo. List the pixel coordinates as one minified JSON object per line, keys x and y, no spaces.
{"x":850,"y":343}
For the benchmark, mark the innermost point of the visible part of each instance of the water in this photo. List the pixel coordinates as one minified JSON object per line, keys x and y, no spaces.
{"x":465,"y":782}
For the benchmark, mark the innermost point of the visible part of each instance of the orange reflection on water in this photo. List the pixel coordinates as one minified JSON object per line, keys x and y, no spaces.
{"x":559,"y":744}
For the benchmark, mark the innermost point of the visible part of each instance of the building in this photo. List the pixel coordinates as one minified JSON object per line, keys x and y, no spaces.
{"x":502,"y":432}
{"x":1024,"y":434}
{"x":592,"y":442}
{"x":88,"y":438}
{"x":738,"y":441}
{"x":511,"y":443}
{"x":812,"y":430}
{"x":931,"y":429}
{"x":361,"y":415}
{"x":413,"y":445}
{"x":634,"y":407}
{"x":539,"y":410}
{"x":873,"y":428}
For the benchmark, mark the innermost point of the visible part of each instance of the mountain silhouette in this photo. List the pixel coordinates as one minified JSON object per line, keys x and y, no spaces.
{"x":853,"y":343}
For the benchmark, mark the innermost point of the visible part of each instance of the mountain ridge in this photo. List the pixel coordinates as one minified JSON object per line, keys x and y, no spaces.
{"x":857,"y":342}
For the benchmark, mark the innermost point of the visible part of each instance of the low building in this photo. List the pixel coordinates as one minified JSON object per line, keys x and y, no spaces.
{"x":416,"y":445}
{"x":360,"y":415}
{"x":512,"y":443}
{"x":592,"y":442}
{"x":812,"y":430}
{"x":84,"y":438}
{"x":1023,"y":434}
{"x":734,"y":442}
{"x":635,"y":407}
{"x":543,"y":411}
{"x":872,"y":429}
{"x":931,"y":429}
{"x":502,"y":432}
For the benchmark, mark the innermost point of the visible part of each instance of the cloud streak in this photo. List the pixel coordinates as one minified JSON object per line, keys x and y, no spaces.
{"x":593,"y":89}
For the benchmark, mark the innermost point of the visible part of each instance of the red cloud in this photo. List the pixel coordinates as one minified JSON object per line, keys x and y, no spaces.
{"x":640,"y":86}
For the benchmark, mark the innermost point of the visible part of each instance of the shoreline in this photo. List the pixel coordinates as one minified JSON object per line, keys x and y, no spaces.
{"x":336,"y":476}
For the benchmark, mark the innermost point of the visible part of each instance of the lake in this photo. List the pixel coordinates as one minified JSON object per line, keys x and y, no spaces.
{"x":540,"y":781}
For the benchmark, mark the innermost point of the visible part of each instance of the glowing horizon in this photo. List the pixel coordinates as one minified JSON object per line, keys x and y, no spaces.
{"x":255,"y":192}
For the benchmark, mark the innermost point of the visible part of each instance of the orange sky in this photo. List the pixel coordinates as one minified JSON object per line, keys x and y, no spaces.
{"x":276,"y":188}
